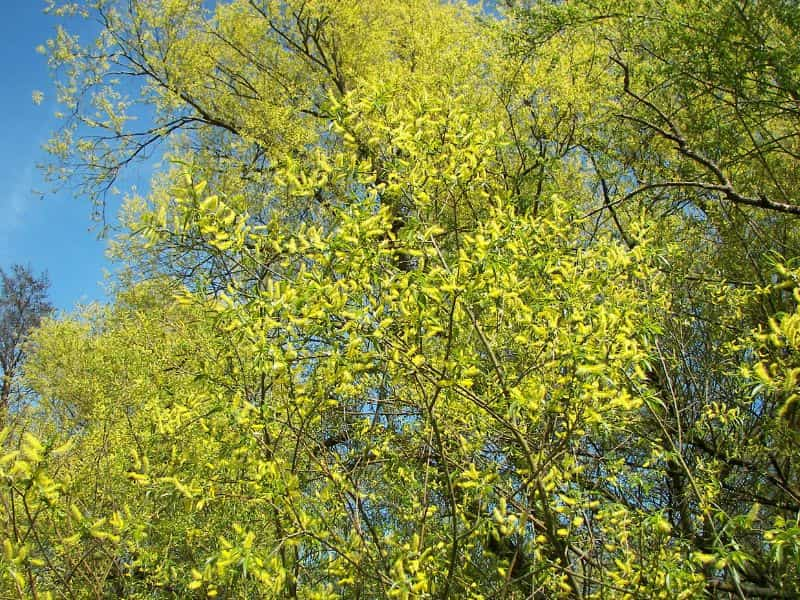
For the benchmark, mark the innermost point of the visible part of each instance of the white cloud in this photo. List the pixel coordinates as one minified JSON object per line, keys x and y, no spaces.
{"x":14,"y":204}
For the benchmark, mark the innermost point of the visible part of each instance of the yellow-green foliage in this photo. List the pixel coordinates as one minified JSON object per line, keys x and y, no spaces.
{"x":428,"y":301}
{"x":777,"y":369}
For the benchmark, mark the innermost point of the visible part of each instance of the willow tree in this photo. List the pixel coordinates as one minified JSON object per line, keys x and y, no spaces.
{"x":388,"y":327}
{"x":699,"y":131}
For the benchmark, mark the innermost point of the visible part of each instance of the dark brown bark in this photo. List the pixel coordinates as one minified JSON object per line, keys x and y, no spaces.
{"x":5,"y":398}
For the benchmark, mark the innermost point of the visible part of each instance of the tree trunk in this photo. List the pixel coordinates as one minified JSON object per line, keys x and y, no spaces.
{"x":5,"y":397}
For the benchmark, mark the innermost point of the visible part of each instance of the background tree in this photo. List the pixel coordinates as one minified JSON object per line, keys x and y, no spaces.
{"x":23,"y":304}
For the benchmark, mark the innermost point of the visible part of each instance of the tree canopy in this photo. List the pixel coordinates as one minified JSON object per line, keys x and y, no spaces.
{"x":428,"y":300}
{"x":23,"y":304}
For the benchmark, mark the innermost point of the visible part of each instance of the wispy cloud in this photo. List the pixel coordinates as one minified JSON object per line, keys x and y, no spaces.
{"x":14,"y":204}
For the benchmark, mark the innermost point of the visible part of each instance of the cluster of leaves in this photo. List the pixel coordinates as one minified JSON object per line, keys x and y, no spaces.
{"x":431,"y":302}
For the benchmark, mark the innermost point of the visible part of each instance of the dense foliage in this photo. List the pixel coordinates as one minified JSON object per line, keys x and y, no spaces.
{"x":427,"y":300}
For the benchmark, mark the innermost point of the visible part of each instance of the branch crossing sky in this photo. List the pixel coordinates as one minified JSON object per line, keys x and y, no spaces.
{"x":48,"y":230}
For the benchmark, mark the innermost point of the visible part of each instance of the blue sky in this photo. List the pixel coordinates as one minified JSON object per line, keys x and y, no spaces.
{"x":54,"y":232}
